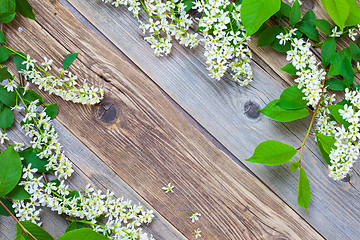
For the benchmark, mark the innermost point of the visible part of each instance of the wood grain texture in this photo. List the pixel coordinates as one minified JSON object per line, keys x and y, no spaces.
{"x":140,"y":135}
{"x":222,"y":109}
{"x":88,"y":169}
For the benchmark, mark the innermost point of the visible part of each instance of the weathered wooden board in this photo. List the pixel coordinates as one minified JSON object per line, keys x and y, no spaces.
{"x":222,"y":109}
{"x":88,"y":169}
{"x":140,"y":135}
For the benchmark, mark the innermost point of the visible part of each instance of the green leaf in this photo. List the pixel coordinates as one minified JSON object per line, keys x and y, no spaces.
{"x":294,"y":166}
{"x":30,"y":157}
{"x":304,"y":193}
{"x":51,"y":110}
{"x":2,"y":37}
{"x":74,"y":225}
{"x":69,"y":60}
{"x":290,"y":69}
{"x":335,"y":84}
{"x":32,"y":96}
{"x":328,"y":50}
{"x":4,"y":54}
{"x":292,"y":98}
{"x":24,"y":8}
{"x":8,"y":205}
{"x":323,"y":26}
{"x":281,"y":48}
{"x":335,"y":67}
{"x":285,"y":9}
{"x":18,"y":193}
{"x":6,"y":118}
{"x":19,"y":238}
{"x":324,"y":154}
{"x":277,"y":113}
{"x":272,"y":153}
{"x":4,"y":74}
{"x":34,"y":229}
{"x":7,"y":98}
{"x":10,"y":171}
{"x":354,"y":15}
{"x":338,"y":10}
{"x":309,"y":17}
{"x":189,"y":4}
{"x":255,"y":12}
{"x":327,"y":142}
{"x":18,"y":60}
{"x":347,"y":72}
{"x":295,"y":13}
{"x":334,"y":110}
{"x":268,"y":36}
{"x":7,"y":10}
{"x":354,"y":51}
{"x":83,"y":233}
{"x":309,"y":30}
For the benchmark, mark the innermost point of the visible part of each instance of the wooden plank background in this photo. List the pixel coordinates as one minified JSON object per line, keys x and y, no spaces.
{"x":142,"y":137}
{"x":220,"y":108}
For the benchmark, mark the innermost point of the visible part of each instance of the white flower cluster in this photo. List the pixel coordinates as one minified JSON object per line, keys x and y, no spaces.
{"x":66,"y":86}
{"x":225,"y":41}
{"x":123,"y":218}
{"x":310,"y":77}
{"x":167,"y":19}
{"x":44,"y":139}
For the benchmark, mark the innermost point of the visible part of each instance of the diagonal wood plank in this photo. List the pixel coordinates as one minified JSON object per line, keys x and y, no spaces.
{"x":139,"y":134}
{"x":88,"y":169}
{"x":223,"y":109}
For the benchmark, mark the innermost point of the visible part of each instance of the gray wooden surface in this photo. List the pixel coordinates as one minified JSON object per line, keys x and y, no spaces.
{"x":220,"y":108}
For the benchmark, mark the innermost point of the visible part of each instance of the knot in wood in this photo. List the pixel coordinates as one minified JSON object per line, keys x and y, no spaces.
{"x":251,"y":110}
{"x":308,"y":4}
{"x":346,"y":178}
{"x":107,"y":112}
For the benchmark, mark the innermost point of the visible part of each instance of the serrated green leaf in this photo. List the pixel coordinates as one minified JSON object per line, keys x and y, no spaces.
{"x":268,"y":36}
{"x":51,"y":110}
{"x":8,"y":205}
{"x":328,"y":50}
{"x":347,"y":72}
{"x":334,"y":110}
{"x":290,"y":69}
{"x":304,"y":192}
{"x":74,"y":225}
{"x":327,"y":142}
{"x":279,"y":47}
{"x":18,"y":60}
{"x":294,"y":166}
{"x":4,"y":74}
{"x":10,"y":171}
{"x":335,"y":84}
{"x":272,"y":153}
{"x":19,"y":238}
{"x":309,"y":30}
{"x":323,"y":26}
{"x":24,"y":8}
{"x":354,"y":51}
{"x":34,"y":229}
{"x":83,"y":233}
{"x":189,"y":4}
{"x":30,"y":157}
{"x":335,"y":64}
{"x":18,"y":193}
{"x":338,"y":10}
{"x":31,"y":96}
{"x":285,"y":9}
{"x":4,"y":54}
{"x":7,"y":17}
{"x":295,"y":13}
{"x":6,"y":118}
{"x":69,"y":60}
{"x":255,"y":12}
{"x":277,"y":113}
{"x":292,"y":98}
{"x":7,"y":98}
